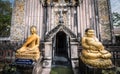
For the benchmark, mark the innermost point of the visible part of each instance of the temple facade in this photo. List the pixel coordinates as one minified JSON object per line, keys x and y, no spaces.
{"x":61,"y":24}
{"x":77,"y":15}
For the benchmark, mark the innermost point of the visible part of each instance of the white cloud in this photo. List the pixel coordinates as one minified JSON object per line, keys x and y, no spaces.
{"x":115,"y":5}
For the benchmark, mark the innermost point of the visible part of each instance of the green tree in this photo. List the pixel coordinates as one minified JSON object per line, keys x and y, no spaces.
{"x":5,"y":17}
{"x":116,"y":19}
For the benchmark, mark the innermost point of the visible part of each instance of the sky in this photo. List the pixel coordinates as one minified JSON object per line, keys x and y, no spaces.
{"x":11,"y":1}
{"x":115,"y":5}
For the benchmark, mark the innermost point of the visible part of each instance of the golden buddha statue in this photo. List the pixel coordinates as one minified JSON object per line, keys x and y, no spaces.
{"x":93,"y":52}
{"x":30,"y":49}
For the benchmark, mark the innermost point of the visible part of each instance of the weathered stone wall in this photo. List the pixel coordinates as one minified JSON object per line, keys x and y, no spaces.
{"x":30,"y":12}
{"x":26,"y":13}
{"x":104,"y":21}
{"x":17,"y":26}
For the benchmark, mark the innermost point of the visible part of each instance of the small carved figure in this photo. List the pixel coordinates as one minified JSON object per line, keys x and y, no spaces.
{"x":93,"y":52}
{"x":30,"y":49}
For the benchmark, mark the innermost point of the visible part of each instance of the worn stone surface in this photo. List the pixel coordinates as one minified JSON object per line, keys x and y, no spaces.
{"x":46,"y":71}
{"x":17,"y":26}
{"x":104,"y":21}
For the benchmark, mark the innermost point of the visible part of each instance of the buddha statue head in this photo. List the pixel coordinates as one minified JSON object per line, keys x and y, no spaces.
{"x":89,"y":32}
{"x":33,"y":30}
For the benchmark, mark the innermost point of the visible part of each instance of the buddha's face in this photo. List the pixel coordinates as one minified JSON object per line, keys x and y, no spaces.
{"x":90,"y":33}
{"x":33,"y":30}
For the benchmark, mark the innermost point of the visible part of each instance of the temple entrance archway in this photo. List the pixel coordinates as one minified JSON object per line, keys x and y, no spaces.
{"x":61,"y":51}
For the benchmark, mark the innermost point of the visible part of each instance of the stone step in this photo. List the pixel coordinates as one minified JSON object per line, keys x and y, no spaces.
{"x":46,"y":71}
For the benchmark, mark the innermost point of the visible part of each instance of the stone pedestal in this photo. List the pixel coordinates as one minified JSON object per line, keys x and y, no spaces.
{"x":84,"y":69}
{"x":74,"y":49}
{"x":48,"y":54}
{"x":74,"y":56}
{"x":48,"y":50}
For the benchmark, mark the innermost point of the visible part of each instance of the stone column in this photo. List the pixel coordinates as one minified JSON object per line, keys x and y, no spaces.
{"x":17,"y":26}
{"x":48,"y":50}
{"x":74,"y":56}
{"x":47,"y":55}
{"x":74,"y":50}
{"x":104,"y":21}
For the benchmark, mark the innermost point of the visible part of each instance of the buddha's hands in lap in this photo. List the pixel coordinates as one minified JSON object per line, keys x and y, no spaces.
{"x":92,"y":48}
{"x":100,"y":48}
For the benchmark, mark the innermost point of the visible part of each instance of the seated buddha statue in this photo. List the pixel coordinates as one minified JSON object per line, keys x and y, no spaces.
{"x":30,"y":49}
{"x":93,"y":53}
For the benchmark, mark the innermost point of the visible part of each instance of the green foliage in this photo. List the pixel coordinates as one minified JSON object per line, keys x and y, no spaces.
{"x":116,"y":19}
{"x":61,"y":70}
{"x":7,"y":69}
{"x":5,"y":17}
{"x":111,"y":71}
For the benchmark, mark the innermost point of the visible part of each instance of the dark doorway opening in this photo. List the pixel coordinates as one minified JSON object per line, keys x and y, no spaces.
{"x":61,"y":50}
{"x":61,"y":62}
{"x":61,"y":44}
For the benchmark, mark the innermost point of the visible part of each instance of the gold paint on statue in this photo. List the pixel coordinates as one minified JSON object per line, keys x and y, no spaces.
{"x":93,"y":52}
{"x":30,"y":49}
